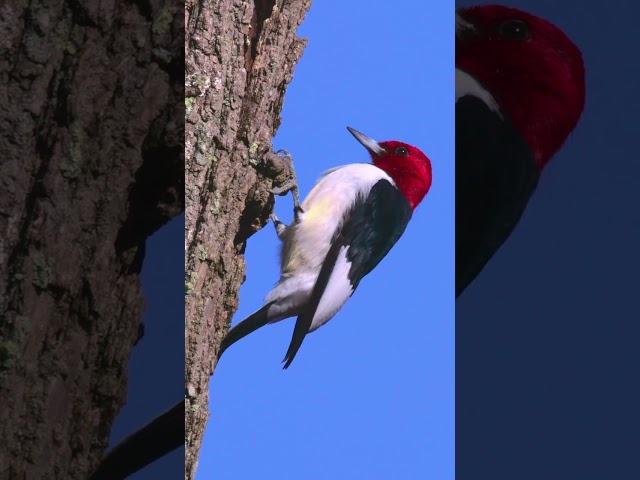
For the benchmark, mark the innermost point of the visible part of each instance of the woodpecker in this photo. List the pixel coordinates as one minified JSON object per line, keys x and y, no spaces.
{"x":349,"y":222}
{"x":520,"y":92}
{"x":344,"y":228}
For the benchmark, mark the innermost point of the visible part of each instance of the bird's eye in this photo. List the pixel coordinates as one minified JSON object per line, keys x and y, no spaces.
{"x":514,"y":30}
{"x":401,"y":151}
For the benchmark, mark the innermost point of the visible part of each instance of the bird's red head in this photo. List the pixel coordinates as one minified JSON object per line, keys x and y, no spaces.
{"x":531,"y":68}
{"x":409,"y":168}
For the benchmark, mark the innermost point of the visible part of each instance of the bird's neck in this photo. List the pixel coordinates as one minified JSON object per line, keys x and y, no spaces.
{"x":411,"y":179}
{"x":544,"y":113}
{"x":542,"y":120}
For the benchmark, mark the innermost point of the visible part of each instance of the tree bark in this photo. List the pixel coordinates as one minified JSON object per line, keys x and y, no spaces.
{"x":240,"y":56}
{"x":92,"y":143}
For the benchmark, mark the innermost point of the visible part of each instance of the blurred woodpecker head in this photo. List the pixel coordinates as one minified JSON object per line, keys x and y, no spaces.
{"x":409,"y":168}
{"x":530,"y":67}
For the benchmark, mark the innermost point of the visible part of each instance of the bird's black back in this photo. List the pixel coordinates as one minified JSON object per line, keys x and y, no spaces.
{"x":495,"y":177}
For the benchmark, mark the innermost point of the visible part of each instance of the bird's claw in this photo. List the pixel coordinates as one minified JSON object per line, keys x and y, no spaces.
{"x":291,"y":185}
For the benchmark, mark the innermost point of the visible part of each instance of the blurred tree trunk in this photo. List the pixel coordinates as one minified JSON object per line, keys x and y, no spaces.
{"x":240,"y":56}
{"x":92,"y":144}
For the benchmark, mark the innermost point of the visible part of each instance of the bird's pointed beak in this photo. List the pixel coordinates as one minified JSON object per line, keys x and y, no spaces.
{"x":463,"y":26}
{"x":370,"y":144}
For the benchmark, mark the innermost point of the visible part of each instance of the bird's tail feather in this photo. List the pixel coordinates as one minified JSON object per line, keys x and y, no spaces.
{"x":250,"y":324}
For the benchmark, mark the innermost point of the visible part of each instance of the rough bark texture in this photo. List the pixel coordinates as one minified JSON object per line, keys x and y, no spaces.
{"x":92,"y":138}
{"x":240,"y":56}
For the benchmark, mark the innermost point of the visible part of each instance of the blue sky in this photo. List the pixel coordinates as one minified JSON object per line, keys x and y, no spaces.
{"x":547,"y":336}
{"x":370,"y":394}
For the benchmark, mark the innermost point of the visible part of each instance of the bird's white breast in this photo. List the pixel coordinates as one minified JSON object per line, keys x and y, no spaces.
{"x":324,"y":210}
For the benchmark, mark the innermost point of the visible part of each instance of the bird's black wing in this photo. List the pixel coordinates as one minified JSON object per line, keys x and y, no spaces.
{"x":495,"y":177}
{"x":369,"y":231}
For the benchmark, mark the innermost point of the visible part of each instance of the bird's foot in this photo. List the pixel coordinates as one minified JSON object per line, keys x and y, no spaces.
{"x":291,"y":185}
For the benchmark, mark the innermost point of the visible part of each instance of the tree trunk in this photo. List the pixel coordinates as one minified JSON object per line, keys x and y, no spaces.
{"x":240,"y":56}
{"x":92,"y":138}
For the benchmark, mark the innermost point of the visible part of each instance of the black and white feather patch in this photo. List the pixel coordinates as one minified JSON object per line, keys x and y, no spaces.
{"x":371,"y":228}
{"x":374,"y":227}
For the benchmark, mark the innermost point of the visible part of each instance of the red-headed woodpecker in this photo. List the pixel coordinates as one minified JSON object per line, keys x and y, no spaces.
{"x":352,"y":217}
{"x":519,"y":94}
{"x":344,"y":228}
